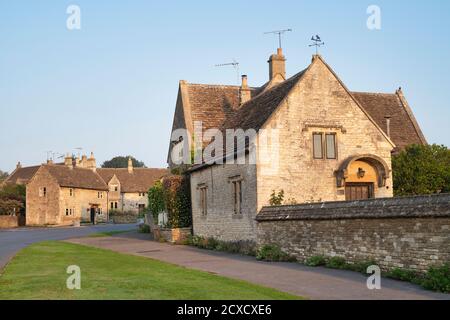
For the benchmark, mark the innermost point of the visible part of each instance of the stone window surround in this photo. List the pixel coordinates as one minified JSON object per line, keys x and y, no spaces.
{"x":324,"y":135}
{"x":203,"y":188}
{"x":232,"y":180}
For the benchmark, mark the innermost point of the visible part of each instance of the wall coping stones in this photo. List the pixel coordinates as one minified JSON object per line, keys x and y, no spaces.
{"x":428,"y":206}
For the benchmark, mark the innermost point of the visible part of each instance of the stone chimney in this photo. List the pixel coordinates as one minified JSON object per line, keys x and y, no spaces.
{"x":49,"y":161}
{"x":91,"y":164}
{"x":130,"y":166}
{"x":19,"y":165}
{"x":83,"y":161}
{"x":277,"y":65}
{"x":244,"y":91}
{"x":68,"y":161}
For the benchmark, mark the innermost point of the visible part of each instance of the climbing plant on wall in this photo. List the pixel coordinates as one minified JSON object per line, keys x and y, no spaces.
{"x":177,"y":201}
{"x":156,"y":199}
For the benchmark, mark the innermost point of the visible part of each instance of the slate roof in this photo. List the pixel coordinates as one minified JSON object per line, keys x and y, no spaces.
{"x":76,"y":177}
{"x":139,"y":181}
{"x":22,"y":175}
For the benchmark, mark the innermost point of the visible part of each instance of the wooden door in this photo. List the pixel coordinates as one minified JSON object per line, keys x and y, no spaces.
{"x":358,"y":191}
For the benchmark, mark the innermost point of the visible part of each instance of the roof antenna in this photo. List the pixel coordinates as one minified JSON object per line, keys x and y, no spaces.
{"x":279,"y":33}
{"x":79,"y":151}
{"x":235,"y":65}
{"x":317,"y":43}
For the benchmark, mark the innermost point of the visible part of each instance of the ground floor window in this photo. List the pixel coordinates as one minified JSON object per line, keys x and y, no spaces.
{"x":237,"y":196}
{"x":204,"y":200}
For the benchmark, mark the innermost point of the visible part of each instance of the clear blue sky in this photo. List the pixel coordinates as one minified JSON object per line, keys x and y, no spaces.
{"x":111,"y":87}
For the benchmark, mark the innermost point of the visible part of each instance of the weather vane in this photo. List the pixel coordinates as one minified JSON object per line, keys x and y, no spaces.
{"x":279,"y":33}
{"x":317,"y":43}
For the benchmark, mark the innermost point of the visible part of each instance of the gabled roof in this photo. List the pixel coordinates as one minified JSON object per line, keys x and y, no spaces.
{"x":140,"y":180}
{"x":255,"y":112}
{"x":81,"y":178}
{"x":218,"y":107}
{"x":22,"y":175}
{"x":404,"y":129}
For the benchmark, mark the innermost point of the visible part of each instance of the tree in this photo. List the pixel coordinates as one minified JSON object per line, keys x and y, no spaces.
{"x":122,"y":162}
{"x":3,"y":175}
{"x":421,"y":170}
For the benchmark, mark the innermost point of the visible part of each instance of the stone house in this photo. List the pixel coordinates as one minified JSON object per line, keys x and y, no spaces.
{"x":77,"y":191}
{"x":127,"y":187}
{"x":330,"y":144}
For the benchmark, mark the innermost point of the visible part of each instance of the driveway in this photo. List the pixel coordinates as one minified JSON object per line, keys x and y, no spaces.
{"x":313,"y":283}
{"x":12,"y":240}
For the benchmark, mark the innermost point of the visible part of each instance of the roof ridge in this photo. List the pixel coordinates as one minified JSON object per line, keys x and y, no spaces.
{"x":220,"y":85}
{"x":376,"y":93}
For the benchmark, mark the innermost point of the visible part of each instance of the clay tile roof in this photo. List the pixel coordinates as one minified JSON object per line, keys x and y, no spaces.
{"x":254,"y":113}
{"x":139,"y":181}
{"x":22,"y":175}
{"x":76,"y":177}
{"x":403,"y":127}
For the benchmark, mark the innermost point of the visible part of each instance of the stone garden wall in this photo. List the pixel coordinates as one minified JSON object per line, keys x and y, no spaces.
{"x":409,"y":233}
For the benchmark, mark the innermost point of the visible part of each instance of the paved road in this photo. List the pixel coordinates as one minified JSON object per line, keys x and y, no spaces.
{"x":314,"y":283}
{"x":12,"y":240}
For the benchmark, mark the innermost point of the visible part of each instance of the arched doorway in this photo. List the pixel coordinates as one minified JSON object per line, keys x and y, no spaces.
{"x":362,"y":176}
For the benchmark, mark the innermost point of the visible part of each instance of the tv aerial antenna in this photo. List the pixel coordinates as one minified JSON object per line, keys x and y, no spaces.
{"x":235,"y":65}
{"x":79,"y":151}
{"x":317,"y":42}
{"x":279,"y":33}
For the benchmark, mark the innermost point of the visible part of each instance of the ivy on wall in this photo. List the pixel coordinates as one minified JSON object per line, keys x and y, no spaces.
{"x":173,"y":196}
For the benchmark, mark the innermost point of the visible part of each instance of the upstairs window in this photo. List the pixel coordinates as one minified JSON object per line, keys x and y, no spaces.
{"x":324,"y":146}
{"x":42,"y":192}
{"x":71,"y":192}
{"x":330,"y":145}
{"x":317,"y":146}
{"x":237,"y":196}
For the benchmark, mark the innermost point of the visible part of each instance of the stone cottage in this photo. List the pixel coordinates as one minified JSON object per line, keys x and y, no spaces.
{"x":330,"y":144}
{"x":77,"y":191}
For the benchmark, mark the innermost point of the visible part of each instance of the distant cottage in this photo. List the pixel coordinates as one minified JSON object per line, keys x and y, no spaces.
{"x":333,"y":144}
{"x":77,"y":191}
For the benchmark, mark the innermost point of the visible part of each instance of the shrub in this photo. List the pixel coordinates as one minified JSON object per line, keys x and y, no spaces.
{"x":437,"y":279}
{"x":273,"y":253}
{"x":156,"y":199}
{"x":276,"y":199}
{"x":402,"y":274}
{"x":361,"y":266}
{"x":144,"y":228}
{"x":316,"y":261}
{"x":336,"y":263}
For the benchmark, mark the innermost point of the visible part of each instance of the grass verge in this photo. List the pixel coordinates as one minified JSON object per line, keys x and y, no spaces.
{"x":39,"y":272}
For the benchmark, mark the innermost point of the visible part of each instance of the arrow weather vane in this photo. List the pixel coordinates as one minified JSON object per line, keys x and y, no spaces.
{"x":317,"y":43}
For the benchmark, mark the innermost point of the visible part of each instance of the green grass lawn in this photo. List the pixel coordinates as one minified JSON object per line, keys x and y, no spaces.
{"x":39,"y":272}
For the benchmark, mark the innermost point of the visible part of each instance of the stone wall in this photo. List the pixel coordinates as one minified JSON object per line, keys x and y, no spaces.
{"x":7,"y":222}
{"x":220,"y":221}
{"x":410,"y":233}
